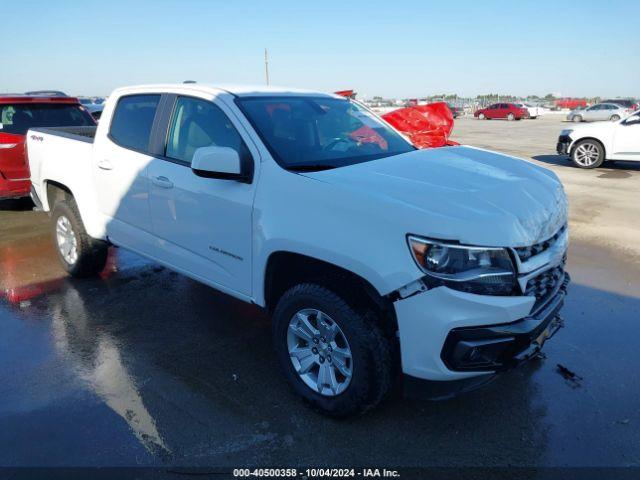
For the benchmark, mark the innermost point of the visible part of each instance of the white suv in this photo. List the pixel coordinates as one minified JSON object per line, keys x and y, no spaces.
{"x":590,"y":145}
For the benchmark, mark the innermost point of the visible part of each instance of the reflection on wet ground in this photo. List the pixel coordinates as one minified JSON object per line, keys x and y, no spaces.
{"x":144,"y":366}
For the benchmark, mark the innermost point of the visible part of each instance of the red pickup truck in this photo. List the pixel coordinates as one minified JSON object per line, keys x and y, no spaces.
{"x":19,"y":113}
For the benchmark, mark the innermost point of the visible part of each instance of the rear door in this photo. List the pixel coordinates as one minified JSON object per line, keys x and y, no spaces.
{"x":203,"y":226}
{"x":120,"y":170}
{"x":502,"y":110}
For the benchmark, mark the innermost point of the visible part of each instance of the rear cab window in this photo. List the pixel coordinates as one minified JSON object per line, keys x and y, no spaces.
{"x":17,"y":118}
{"x":132,"y":121}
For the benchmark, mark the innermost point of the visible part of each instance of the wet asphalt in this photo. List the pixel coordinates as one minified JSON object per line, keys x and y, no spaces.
{"x":143,"y":366}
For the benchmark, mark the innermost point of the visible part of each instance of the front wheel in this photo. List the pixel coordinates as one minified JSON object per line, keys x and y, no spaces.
{"x":576,"y":119}
{"x":511,"y":117}
{"x":80,"y":255}
{"x":588,"y":154}
{"x":481,"y":116}
{"x":334,"y":358}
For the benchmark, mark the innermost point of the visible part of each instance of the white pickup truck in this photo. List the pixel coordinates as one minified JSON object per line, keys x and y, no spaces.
{"x":374,"y":259}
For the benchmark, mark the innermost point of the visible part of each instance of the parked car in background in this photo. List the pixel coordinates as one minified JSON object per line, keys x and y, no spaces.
{"x":456,"y":111}
{"x":510,"y":111}
{"x":599,"y":111}
{"x":627,"y":103}
{"x":19,"y":113}
{"x":48,"y":93}
{"x":95,"y":109}
{"x":534,"y":110}
{"x":330,"y":233}
{"x":589,"y":146}
{"x":570,"y":103}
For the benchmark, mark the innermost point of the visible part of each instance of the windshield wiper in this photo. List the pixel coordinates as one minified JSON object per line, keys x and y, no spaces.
{"x":310,"y":167}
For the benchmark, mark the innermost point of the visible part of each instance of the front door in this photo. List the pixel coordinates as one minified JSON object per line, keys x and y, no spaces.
{"x":626,"y":140}
{"x":493,"y":111}
{"x":592,"y":113}
{"x":203,"y":226}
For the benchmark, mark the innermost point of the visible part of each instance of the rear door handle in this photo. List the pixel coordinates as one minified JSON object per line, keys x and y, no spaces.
{"x":105,"y":165}
{"x":162,"y":182}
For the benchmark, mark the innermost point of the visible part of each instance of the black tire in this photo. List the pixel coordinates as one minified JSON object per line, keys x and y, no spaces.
{"x":588,"y":142}
{"x":91,"y":253}
{"x":373,"y":364}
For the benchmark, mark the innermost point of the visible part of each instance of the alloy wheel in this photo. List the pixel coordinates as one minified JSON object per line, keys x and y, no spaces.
{"x":319,"y":352}
{"x":586,"y":154}
{"x":66,"y":240}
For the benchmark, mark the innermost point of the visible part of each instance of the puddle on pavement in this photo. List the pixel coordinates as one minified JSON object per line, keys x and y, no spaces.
{"x":617,"y":174}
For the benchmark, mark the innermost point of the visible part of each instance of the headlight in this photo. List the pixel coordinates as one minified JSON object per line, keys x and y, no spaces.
{"x":565,"y":132}
{"x":486,"y":271}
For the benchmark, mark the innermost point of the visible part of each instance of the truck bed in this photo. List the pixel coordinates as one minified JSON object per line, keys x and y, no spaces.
{"x":61,"y":155}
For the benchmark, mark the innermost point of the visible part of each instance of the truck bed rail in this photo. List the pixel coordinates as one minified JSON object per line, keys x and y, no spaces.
{"x":82,"y":134}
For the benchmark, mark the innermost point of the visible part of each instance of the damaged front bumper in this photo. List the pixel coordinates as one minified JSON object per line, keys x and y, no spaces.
{"x":500,"y":347}
{"x":452,"y":341}
{"x":562,"y":147}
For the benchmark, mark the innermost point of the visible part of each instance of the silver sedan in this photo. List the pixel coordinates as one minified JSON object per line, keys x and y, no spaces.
{"x":599,"y":111}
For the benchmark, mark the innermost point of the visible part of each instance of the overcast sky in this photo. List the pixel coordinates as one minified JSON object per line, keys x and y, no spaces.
{"x":388,"y":48}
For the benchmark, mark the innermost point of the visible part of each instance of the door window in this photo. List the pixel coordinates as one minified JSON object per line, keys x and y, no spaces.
{"x":199,"y":123}
{"x":133,"y":120}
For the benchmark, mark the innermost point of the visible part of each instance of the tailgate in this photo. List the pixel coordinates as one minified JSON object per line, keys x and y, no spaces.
{"x":13,"y":163}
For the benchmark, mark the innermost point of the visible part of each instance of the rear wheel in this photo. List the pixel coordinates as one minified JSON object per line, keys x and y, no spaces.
{"x":335,"y":358}
{"x":577,"y":118}
{"x":588,"y":154}
{"x":615,"y":118}
{"x":80,"y":255}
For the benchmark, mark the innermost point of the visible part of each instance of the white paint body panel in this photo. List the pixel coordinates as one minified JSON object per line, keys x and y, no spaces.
{"x":621,"y":139}
{"x":222,"y":232}
{"x":424,"y":321}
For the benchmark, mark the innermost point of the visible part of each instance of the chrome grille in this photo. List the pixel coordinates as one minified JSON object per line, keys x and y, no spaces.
{"x":525,"y":253}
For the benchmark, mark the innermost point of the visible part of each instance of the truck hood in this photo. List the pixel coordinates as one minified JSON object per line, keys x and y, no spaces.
{"x":462,"y":194}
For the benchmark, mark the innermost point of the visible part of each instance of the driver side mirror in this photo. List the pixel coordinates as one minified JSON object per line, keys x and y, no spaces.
{"x":222,"y":163}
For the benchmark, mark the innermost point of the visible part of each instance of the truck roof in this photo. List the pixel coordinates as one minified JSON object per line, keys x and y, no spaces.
{"x":21,"y":98}
{"x":237,"y":90}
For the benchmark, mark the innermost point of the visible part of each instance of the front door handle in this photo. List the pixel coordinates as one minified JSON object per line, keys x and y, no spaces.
{"x":105,"y":165}
{"x":162,"y":182}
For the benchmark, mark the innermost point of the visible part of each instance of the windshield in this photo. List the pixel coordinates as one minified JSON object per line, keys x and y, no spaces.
{"x":18,"y":118}
{"x":315,"y":133}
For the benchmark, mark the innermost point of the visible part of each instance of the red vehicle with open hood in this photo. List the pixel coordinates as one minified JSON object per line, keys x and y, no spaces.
{"x":19,"y":113}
